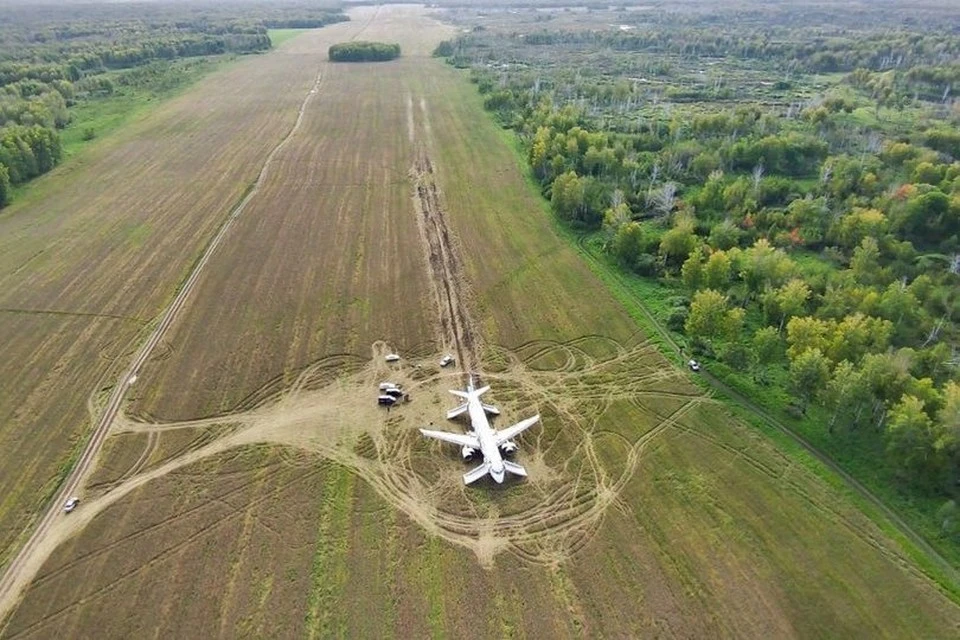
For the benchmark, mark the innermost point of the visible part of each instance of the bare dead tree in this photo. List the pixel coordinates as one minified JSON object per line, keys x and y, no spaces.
{"x":757,"y":176}
{"x":616,"y":198}
{"x":934,"y":334}
{"x":825,"y":174}
{"x":676,"y":166}
{"x":663,"y":199}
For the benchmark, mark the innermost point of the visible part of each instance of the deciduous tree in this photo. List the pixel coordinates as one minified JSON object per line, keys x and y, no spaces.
{"x":809,"y":372}
{"x":910,"y":435}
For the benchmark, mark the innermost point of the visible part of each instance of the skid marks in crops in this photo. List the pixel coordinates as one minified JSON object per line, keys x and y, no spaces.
{"x":601,"y":397}
{"x":543,"y":521}
{"x":445,"y":264}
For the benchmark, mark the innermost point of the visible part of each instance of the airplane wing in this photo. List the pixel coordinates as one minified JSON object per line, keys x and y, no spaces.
{"x":476,"y":473}
{"x":460,"y":439}
{"x":512,"y":432}
{"x":453,"y":413}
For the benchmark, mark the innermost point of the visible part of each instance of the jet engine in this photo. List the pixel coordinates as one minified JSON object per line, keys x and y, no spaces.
{"x":467,"y":452}
{"x":508,"y":447}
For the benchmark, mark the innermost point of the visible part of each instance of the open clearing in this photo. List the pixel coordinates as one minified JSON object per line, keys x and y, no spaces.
{"x":254,"y":488}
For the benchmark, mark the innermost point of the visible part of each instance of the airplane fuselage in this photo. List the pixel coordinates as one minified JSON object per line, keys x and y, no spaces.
{"x":482,"y":438}
{"x":485,"y":435}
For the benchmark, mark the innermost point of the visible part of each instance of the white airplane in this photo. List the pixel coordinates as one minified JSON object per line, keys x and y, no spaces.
{"x":492,"y":444}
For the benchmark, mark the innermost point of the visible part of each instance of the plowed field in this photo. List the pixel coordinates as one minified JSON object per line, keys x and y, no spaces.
{"x":254,"y":488}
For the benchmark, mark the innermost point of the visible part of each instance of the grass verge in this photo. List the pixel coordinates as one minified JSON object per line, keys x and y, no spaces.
{"x":279,"y":36}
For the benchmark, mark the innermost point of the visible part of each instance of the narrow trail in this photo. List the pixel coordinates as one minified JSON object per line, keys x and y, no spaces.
{"x":24,"y":566}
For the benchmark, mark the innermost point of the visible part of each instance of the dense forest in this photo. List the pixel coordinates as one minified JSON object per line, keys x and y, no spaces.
{"x":361,"y":51}
{"x":54,"y":57}
{"x":787,"y":179}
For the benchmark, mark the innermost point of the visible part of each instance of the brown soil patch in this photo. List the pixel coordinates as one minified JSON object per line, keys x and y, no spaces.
{"x":450,"y":287}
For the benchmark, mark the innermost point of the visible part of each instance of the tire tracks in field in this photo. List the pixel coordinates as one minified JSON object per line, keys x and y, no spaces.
{"x":445,"y":264}
{"x":26,"y":563}
{"x":567,"y":499}
{"x":71,"y":314}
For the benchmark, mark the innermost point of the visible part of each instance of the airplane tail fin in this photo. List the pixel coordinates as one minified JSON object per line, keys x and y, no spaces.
{"x":489,"y":408}
{"x":453,"y":413}
{"x":484,"y":468}
{"x":470,"y":394}
{"x":476,"y":473}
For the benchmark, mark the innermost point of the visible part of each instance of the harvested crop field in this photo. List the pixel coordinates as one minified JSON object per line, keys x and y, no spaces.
{"x":253,"y":487}
{"x":94,"y":250}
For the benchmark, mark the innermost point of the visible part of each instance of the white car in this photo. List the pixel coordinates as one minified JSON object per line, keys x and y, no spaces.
{"x":71,"y":504}
{"x":694,"y":365}
{"x":392,"y":357}
{"x":446,"y":360}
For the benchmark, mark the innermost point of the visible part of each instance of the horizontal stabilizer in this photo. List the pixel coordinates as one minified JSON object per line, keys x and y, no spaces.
{"x":489,"y":408}
{"x":514,"y":468}
{"x":476,"y":473}
{"x":459,"y":439}
{"x":512,"y":432}
{"x":468,"y":395}
{"x":453,"y":413}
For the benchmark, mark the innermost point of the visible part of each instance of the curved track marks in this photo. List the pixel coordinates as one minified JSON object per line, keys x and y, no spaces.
{"x":554,"y":516}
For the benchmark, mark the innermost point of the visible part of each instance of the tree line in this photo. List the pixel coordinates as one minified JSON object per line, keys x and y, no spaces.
{"x":25,"y":153}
